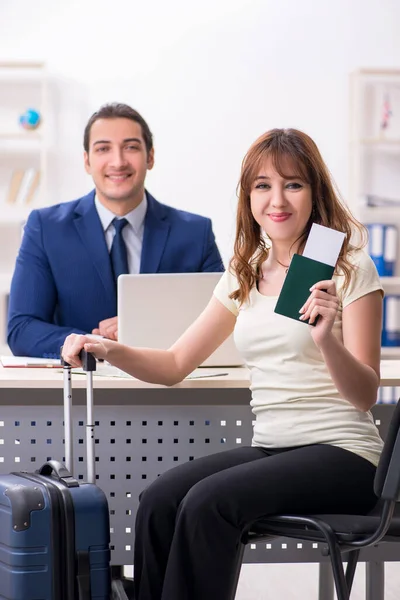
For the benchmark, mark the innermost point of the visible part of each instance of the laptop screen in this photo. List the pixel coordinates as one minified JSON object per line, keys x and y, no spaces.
{"x":155,"y":309}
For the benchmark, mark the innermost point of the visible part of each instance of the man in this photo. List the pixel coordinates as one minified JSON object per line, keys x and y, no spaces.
{"x":72,"y":253}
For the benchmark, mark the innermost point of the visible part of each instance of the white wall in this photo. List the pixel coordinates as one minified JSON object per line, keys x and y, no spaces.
{"x":209,"y":78}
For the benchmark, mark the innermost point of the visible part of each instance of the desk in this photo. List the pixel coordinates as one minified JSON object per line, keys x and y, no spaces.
{"x":142,"y":430}
{"x":236,"y":378}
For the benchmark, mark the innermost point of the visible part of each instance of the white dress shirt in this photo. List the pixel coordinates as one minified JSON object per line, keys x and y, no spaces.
{"x":132,"y":233}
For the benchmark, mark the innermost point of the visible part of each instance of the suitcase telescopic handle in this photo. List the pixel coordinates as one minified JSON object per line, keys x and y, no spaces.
{"x":88,"y":365}
{"x":88,"y":360}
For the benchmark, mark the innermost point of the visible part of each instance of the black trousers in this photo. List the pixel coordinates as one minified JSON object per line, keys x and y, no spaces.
{"x":190,"y":520}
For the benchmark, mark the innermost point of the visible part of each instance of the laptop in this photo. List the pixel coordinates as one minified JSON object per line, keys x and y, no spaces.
{"x":155,"y":309}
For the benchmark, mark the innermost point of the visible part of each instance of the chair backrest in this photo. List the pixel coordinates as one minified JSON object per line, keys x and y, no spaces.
{"x":387,"y":478}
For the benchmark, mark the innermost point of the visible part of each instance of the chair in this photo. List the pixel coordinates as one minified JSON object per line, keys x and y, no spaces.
{"x":345,"y":534}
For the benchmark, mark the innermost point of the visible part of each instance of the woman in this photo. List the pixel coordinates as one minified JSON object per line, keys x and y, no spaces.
{"x":315,"y":446}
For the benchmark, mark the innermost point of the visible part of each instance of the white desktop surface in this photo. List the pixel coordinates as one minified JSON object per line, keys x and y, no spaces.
{"x":237,"y":377}
{"x":53,"y":378}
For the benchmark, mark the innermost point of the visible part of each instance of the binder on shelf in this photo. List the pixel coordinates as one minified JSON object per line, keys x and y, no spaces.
{"x":382,"y":248}
{"x":383,"y":332}
{"x":375,"y":246}
{"x":391,"y":321}
{"x":385,"y":395}
{"x":388,"y":394}
{"x":390,"y":250}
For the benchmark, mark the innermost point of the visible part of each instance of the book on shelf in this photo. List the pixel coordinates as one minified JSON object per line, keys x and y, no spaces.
{"x":23,"y":186}
{"x":15,"y":184}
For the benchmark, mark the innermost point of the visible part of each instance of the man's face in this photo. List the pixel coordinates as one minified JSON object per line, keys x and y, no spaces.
{"x":118,"y":161}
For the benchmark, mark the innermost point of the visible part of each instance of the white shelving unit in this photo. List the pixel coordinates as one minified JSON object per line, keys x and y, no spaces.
{"x":375,"y":160}
{"x":23,"y":162}
{"x":23,"y":86}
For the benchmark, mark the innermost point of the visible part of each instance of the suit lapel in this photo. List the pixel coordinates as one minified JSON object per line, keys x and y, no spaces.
{"x":156,"y":231}
{"x":91,"y":232}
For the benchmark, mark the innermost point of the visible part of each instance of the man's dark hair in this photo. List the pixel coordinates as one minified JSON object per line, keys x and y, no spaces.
{"x":116,"y":110}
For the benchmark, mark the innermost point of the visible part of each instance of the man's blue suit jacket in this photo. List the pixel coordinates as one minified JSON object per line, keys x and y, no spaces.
{"x":63,"y":281}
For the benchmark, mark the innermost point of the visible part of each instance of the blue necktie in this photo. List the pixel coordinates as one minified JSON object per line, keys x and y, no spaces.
{"x":118,"y":255}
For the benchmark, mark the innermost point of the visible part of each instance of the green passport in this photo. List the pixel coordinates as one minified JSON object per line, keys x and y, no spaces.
{"x":302,"y":274}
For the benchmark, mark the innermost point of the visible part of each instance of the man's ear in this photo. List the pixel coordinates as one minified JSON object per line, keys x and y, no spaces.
{"x":86,"y":162}
{"x":150,"y":159}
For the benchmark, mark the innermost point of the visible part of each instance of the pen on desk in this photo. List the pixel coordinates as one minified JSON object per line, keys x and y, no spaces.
{"x":43,"y":365}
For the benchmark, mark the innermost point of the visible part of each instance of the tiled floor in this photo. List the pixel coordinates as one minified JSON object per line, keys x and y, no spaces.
{"x":300,"y":582}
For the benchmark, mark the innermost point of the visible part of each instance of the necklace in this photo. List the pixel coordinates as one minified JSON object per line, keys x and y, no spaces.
{"x":286,"y":267}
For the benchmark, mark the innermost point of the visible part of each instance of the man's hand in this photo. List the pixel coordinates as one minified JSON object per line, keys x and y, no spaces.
{"x":108,"y":328}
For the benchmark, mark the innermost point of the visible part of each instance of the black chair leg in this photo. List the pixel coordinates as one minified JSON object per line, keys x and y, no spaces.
{"x":351,"y":568}
{"x":342,"y":590}
{"x":238,"y":569}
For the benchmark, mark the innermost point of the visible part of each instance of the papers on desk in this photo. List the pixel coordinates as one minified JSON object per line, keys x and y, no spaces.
{"x":201,"y":372}
{"x":29,"y":361}
{"x":104,"y":369}
{"x":107,"y":370}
